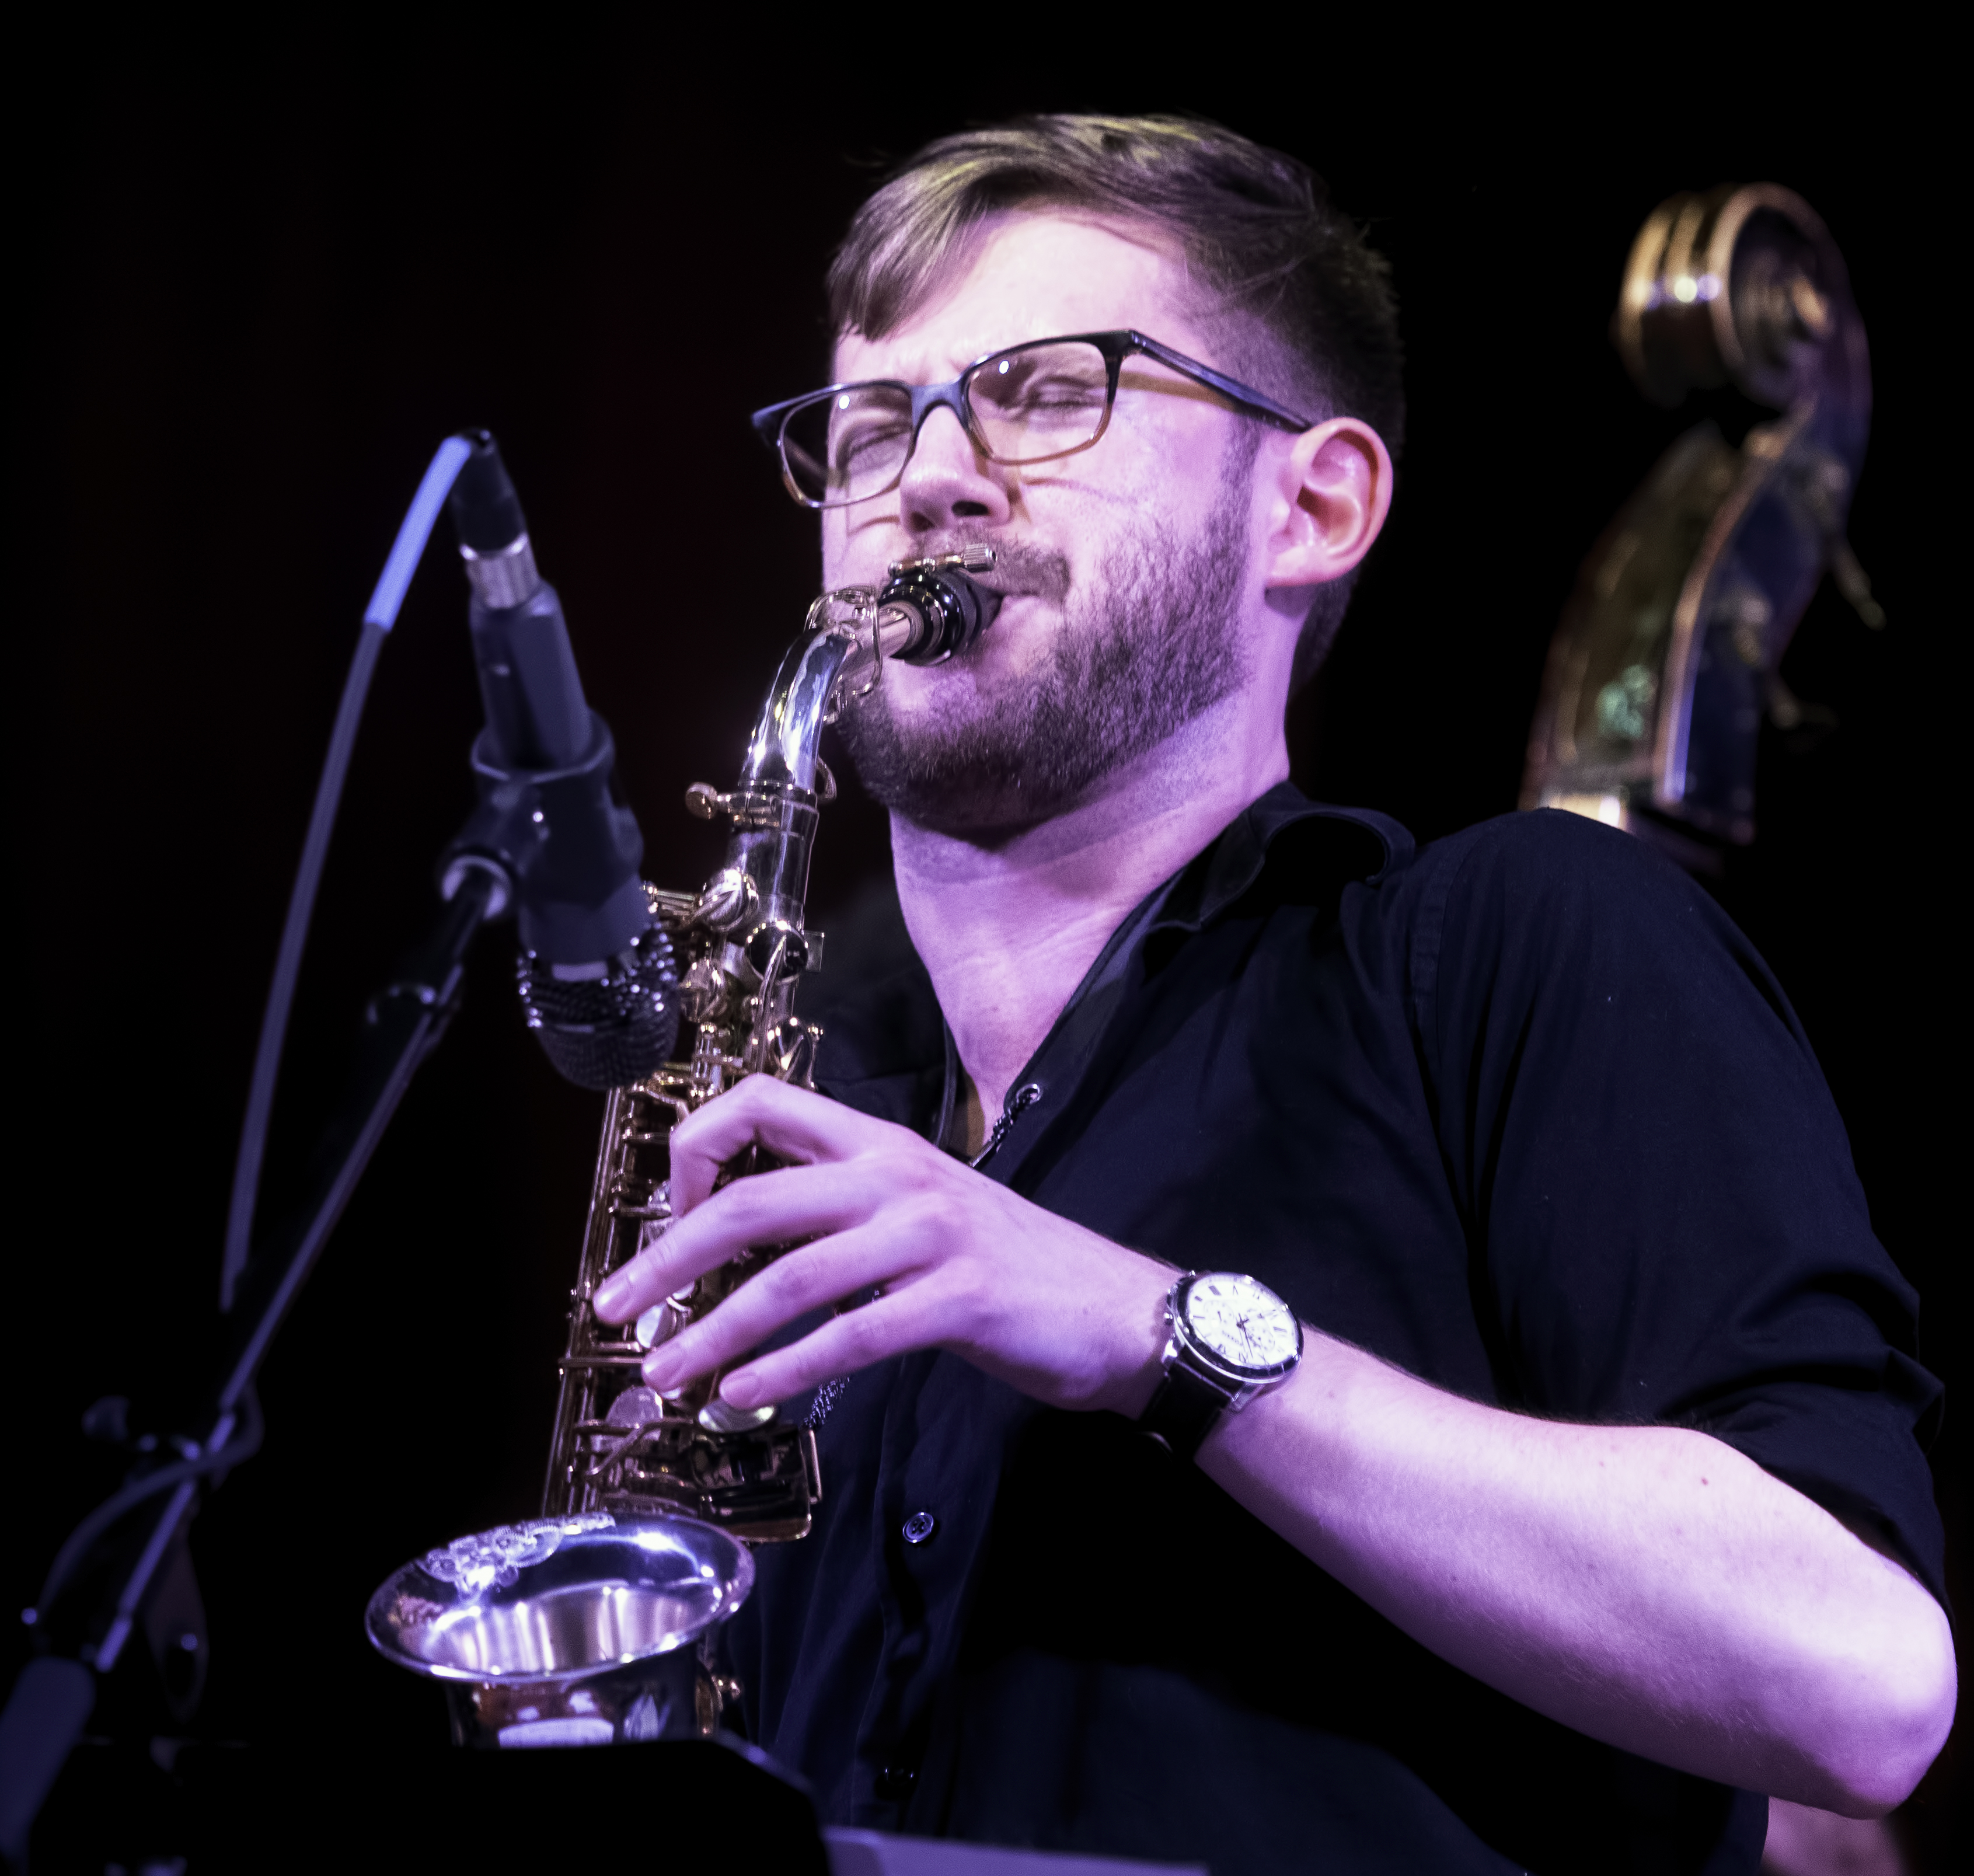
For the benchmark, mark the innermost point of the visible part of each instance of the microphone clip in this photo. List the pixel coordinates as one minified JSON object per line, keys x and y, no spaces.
{"x":558,"y":833}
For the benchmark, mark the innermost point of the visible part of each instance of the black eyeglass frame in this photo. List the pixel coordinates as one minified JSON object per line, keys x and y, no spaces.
{"x":771,"y":424}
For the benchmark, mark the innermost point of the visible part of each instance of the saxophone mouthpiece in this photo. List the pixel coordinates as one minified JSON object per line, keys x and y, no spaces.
{"x":951,"y":608}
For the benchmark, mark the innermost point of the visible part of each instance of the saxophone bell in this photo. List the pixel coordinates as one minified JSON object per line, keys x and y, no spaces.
{"x":579,"y":1631}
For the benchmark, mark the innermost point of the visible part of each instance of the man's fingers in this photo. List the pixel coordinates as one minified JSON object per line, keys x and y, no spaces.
{"x":791,"y":1122}
{"x":782,"y":1207}
{"x":890,"y":1325}
{"x":812,"y":1278}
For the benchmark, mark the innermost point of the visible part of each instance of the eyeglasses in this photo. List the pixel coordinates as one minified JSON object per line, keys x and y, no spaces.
{"x":1030,"y":404}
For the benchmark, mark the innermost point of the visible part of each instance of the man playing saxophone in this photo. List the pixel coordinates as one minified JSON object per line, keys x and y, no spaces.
{"x":1350,"y":1357}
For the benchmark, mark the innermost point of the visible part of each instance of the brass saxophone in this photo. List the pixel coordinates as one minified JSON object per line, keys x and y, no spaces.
{"x":593,"y":1624}
{"x":741,"y":946}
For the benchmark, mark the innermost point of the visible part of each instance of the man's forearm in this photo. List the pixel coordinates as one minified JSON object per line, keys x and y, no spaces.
{"x":1648,"y":1586}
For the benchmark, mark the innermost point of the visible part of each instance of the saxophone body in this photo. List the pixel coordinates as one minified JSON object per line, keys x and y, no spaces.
{"x":617,"y":1446}
{"x":740,"y":947}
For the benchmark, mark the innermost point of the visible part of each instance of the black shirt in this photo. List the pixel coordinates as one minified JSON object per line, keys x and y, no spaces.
{"x":1524,"y":1115}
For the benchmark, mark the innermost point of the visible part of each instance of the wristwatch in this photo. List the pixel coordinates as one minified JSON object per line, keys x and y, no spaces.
{"x":1232,"y":1339}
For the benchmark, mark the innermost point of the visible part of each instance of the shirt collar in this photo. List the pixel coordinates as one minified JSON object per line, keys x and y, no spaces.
{"x":1313,"y":850}
{"x":1309,"y":852}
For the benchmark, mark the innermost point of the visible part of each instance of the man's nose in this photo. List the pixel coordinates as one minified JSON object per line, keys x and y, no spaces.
{"x":948,"y":479}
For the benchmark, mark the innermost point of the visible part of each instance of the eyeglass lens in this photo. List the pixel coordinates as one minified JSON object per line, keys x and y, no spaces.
{"x":1028,"y":405}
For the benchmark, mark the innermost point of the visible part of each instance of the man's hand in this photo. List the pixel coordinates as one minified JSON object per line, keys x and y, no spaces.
{"x":960,"y":1263}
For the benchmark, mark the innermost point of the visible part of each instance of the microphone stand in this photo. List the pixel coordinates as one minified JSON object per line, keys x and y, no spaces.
{"x":55,"y":1693}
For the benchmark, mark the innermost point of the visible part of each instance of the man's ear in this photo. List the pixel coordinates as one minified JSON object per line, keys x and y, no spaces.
{"x":1332,"y":493}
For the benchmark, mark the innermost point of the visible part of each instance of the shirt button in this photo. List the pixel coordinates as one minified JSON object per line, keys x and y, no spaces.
{"x":920,"y":1526}
{"x":895,"y":1782}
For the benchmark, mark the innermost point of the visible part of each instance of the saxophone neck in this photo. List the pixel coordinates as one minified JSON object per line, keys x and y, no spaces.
{"x":925,"y":611}
{"x":782,"y":753}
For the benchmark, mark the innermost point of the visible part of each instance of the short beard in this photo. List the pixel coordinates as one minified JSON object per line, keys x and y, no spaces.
{"x":1136,"y":659}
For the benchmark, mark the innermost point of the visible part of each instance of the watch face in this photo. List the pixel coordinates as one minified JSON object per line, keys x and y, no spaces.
{"x":1242,"y":1323}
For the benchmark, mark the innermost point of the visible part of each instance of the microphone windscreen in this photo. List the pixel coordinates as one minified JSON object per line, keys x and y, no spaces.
{"x":609,"y":1031}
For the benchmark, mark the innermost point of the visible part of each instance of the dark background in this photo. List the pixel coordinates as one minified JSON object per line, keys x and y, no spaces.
{"x":255,"y":287}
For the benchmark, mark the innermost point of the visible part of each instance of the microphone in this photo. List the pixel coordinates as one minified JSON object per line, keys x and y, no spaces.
{"x":598,"y":980}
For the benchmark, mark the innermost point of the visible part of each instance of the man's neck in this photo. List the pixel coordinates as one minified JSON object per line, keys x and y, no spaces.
{"x":1007,"y":929}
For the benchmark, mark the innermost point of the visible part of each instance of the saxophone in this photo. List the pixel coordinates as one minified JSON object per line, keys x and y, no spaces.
{"x":743,"y":946}
{"x":593,"y":1624}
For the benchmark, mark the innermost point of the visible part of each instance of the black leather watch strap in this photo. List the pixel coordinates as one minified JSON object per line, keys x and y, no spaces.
{"x":1182,"y":1413}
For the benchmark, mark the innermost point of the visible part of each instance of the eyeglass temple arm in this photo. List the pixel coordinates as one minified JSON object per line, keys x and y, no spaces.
{"x":1220,"y":382}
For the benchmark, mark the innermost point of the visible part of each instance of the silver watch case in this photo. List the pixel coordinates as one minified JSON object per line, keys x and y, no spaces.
{"x":1238,"y":1383}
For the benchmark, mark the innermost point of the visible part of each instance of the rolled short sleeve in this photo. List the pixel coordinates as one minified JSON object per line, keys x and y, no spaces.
{"x":1667,"y":1225}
